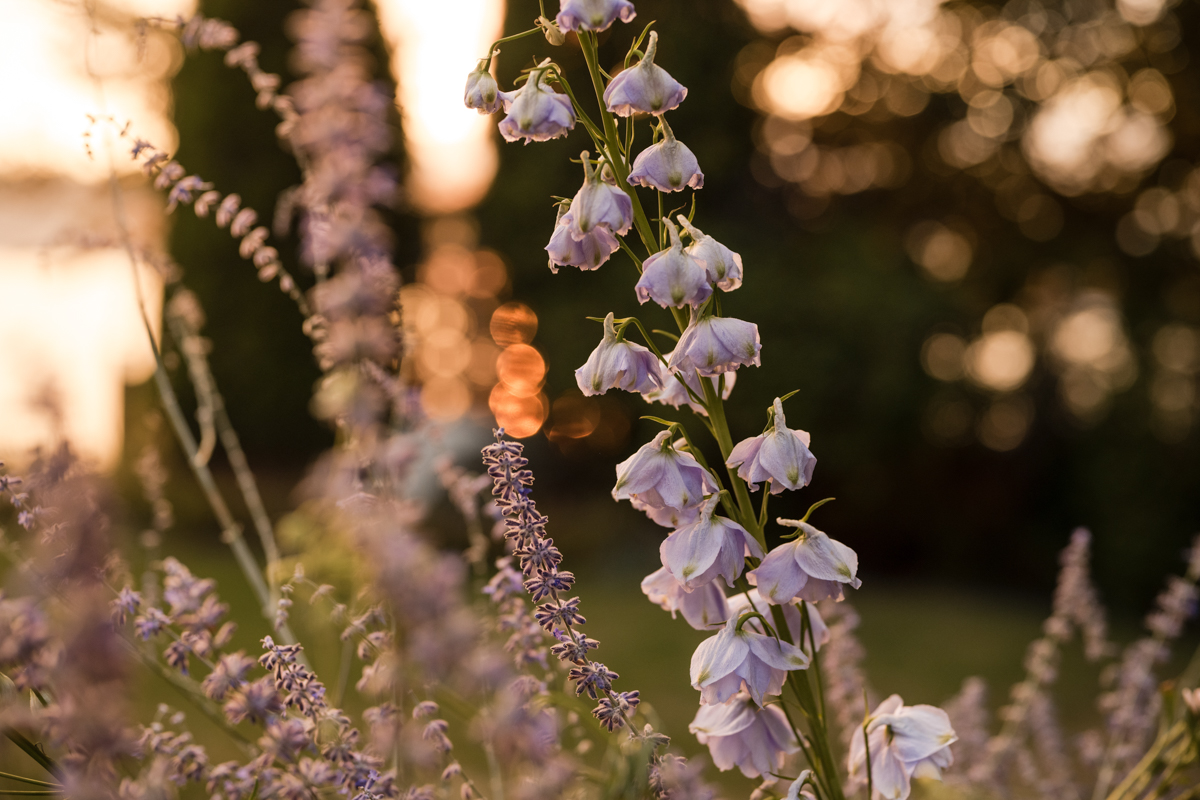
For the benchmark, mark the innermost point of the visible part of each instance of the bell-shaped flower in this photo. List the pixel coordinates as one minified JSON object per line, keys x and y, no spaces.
{"x":742,"y":602}
{"x":703,"y":609}
{"x":644,"y":88}
{"x":740,"y":734}
{"x":811,"y":567}
{"x":672,"y":277}
{"x":668,"y":517}
{"x":724,"y":266}
{"x":709,"y":548}
{"x":780,"y":455}
{"x":660,"y":476}
{"x":592,"y":15}
{"x":536,"y":113}
{"x":482,"y":93}
{"x":743,"y":659}
{"x":599,"y":204}
{"x":905,"y":742}
{"x":712,"y":345}
{"x":587,"y":253}
{"x":668,"y":166}
{"x":618,"y":364}
{"x":674,"y":394}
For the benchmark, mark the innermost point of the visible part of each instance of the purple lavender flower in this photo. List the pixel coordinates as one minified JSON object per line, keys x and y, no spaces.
{"x":724,"y":266}
{"x":743,"y":659}
{"x":587,"y":253}
{"x":674,"y":394}
{"x":599,"y":204}
{"x":753,"y":601}
{"x":905,"y":742}
{"x":662,"y":477}
{"x":618,"y":364}
{"x":780,"y":455}
{"x":645,"y":88}
{"x":741,"y":734}
{"x":668,"y":166}
{"x":811,"y":567}
{"x":712,"y":345}
{"x":482,"y":93}
{"x":709,"y":548}
{"x":592,"y":15}
{"x":702,"y":608}
{"x":536,"y":113}
{"x":672,"y":277}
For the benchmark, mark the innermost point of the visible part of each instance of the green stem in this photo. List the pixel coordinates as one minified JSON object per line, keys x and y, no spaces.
{"x":23,"y":779}
{"x":492,"y":50}
{"x":32,"y":750}
{"x":716,"y":413}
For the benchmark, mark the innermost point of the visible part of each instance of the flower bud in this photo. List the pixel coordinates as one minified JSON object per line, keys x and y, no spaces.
{"x":668,"y":166}
{"x":644,"y":88}
{"x":672,"y":277}
{"x":592,"y":15}
{"x":554,"y":34}
{"x":618,"y":364}
{"x":724,"y":266}
{"x":482,"y":93}
{"x":536,"y":113}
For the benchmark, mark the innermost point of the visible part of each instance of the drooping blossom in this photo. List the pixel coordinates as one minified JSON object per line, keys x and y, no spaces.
{"x":751,"y":600}
{"x":644,"y":88}
{"x":709,"y":548}
{"x":674,"y":394}
{"x":780,"y":456}
{"x":724,"y":266}
{"x":740,"y":734}
{"x":618,"y":364}
{"x":672,"y":278}
{"x":703,"y":608}
{"x":592,"y":15}
{"x":660,"y":476}
{"x":743,"y":659}
{"x":482,"y":93}
{"x":668,"y":166}
{"x":667,"y":517}
{"x":811,"y":567}
{"x":905,"y":742}
{"x":535,"y":112}
{"x":712,"y":345}
{"x":587,"y":253}
{"x":599,"y":204}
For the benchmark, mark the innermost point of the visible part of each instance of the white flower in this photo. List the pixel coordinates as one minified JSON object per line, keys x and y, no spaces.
{"x":599,"y":204}
{"x":709,"y":548}
{"x":482,"y":93}
{"x":661,"y":476}
{"x":592,"y":15}
{"x":672,"y":277}
{"x":741,"y":734}
{"x":618,"y":364}
{"x":673,"y":393}
{"x":536,"y":113}
{"x":780,"y":455}
{"x":906,"y":742}
{"x":668,"y":166}
{"x":703,"y":609}
{"x":724,"y":266}
{"x":734,"y":660}
{"x":811,"y":567}
{"x":712,"y":345}
{"x":644,"y":88}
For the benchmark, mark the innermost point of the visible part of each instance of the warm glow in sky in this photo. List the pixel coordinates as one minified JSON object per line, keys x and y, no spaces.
{"x":436,"y":44}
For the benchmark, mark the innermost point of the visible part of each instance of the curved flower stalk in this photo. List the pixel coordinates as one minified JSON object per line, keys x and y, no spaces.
{"x":618,"y":364}
{"x":645,"y":88}
{"x":810,"y":639}
{"x":780,"y":456}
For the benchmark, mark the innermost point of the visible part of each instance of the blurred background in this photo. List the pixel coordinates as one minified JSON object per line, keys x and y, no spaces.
{"x":971,"y":236}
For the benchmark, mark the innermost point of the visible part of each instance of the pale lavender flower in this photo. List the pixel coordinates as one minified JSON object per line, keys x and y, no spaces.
{"x":672,"y":277}
{"x":587,"y":253}
{"x":666,"y":516}
{"x":810,"y":567}
{"x":743,"y":659}
{"x":644,"y":88}
{"x":905,"y":742}
{"x":675,"y":395}
{"x":753,"y":601}
{"x":724,"y":266}
{"x":798,"y":790}
{"x":709,"y":548}
{"x":618,"y":364}
{"x":712,"y":345}
{"x":660,"y":476}
{"x":599,"y":204}
{"x":780,"y":455}
{"x":739,"y":733}
{"x":668,"y":166}
{"x":482,"y":93}
{"x":702,"y":609}
{"x":536,"y":113}
{"x":592,"y":15}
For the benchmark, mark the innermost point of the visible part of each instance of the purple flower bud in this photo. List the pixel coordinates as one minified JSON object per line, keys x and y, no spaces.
{"x":732,"y":660}
{"x":618,"y":364}
{"x":741,"y":734}
{"x":599,"y":204}
{"x":811,"y":567}
{"x":645,"y":88}
{"x":780,"y":455}
{"x":702,"y":608}
{"x":592,"y":15}
{"x":671,"y":277}
{"x":724,"y":266}
{"x":712,"y":345}
{"x":587,"y":253}
{"x":709,"y":548}
{"x":661,"y":476}
{"x":673,"y":393}
{"x":482,"y":93}
{"x":536,"y":113}
{"x":667,"y":166}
